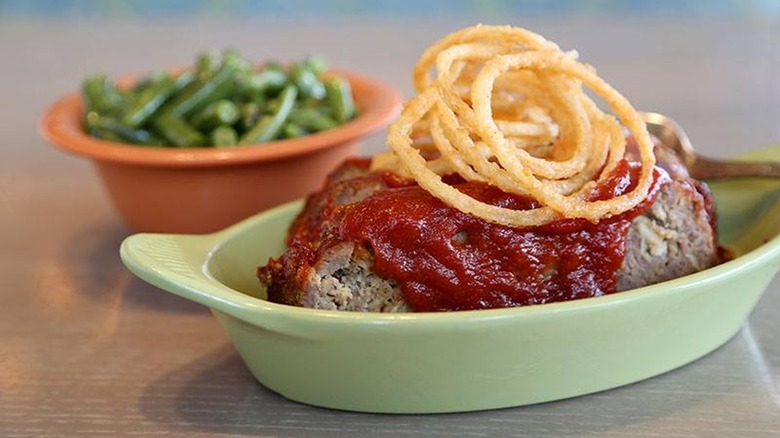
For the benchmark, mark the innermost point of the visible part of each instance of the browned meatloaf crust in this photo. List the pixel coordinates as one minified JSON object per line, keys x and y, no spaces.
{"x":673,"y":238}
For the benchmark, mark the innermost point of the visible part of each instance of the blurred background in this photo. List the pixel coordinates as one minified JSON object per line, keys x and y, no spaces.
{"x":385,"y":8}
{"x":710,"y":64}
{"x":714,"y":66}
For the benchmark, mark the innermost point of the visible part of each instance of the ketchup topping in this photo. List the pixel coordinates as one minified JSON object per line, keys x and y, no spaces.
{"x":444,"y":259}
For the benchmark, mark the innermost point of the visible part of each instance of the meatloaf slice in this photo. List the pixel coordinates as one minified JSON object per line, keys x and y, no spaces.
{"x":673,"y":238}
{"x":342,"y":278}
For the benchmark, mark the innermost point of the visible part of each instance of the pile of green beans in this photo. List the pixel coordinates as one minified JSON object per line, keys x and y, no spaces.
{"x":221,"y":101}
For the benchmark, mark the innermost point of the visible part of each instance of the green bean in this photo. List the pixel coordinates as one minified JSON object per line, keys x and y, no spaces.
{"x":312,"y":119}
{"x":219,"y":100}
{"x":291,"y":130}
{"x":320,"y":106}
{"x":250,"y":113}
{"x":317,"y":64}
{"x":221,"y":112}
{"x":224,"y":136}
{"x":265,"y":129}
{"x":91,"y":120}
{"x":307,"y":81}
{"x":184,"y":79}
{"x":154,"y":78}
{"x":109,"y":124}
{"x":148,"y":102}
{"x":273,"y":65}
{"x":178,"y":132}
{"x":267,"y":80}
{"x":339,"y":96}
{"x":101,"y":95}
{"x":269,"y":126}
{"x":202,"y":92}
{"x":105,"y":135}
{"x":242,"y":66}
{"x":272,"y":106}
{"x":142,"y":103}
{"x":207,"y":64}
{"x":128,"y":99}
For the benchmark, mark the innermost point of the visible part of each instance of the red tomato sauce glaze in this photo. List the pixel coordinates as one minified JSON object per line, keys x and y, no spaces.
{"x":444,"y":259}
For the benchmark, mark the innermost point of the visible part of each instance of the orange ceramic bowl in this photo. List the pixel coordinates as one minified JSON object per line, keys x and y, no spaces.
{"x":201,"y":190}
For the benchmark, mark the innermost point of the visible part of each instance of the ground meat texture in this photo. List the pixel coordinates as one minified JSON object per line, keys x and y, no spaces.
{"x":672,"y":238}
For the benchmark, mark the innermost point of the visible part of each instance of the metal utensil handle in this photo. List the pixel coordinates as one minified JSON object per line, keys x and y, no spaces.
{"x":708,"y":168}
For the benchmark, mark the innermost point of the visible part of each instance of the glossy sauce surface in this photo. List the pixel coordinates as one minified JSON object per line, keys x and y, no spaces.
{"x":444,"y":259}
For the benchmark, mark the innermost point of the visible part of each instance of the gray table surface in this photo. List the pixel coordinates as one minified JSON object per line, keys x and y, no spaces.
{"x":87,"y":350}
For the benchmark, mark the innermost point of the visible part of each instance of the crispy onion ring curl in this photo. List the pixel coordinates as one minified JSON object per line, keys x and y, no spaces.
{"x":508,"y":108}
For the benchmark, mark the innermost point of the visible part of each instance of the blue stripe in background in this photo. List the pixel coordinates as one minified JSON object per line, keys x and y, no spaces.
{"x":381,"y":8}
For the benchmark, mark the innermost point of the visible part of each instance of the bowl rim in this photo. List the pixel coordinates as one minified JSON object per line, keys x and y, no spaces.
{"x":379,"y":103}
{"x":213,"y":293}
{"x":248,"y":305}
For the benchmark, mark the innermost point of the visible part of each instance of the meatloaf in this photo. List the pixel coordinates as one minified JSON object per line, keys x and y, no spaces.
{"x":328,"y":265}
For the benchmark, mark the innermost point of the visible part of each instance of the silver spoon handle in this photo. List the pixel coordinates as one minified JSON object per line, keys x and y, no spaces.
{"x":708,"y":168}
